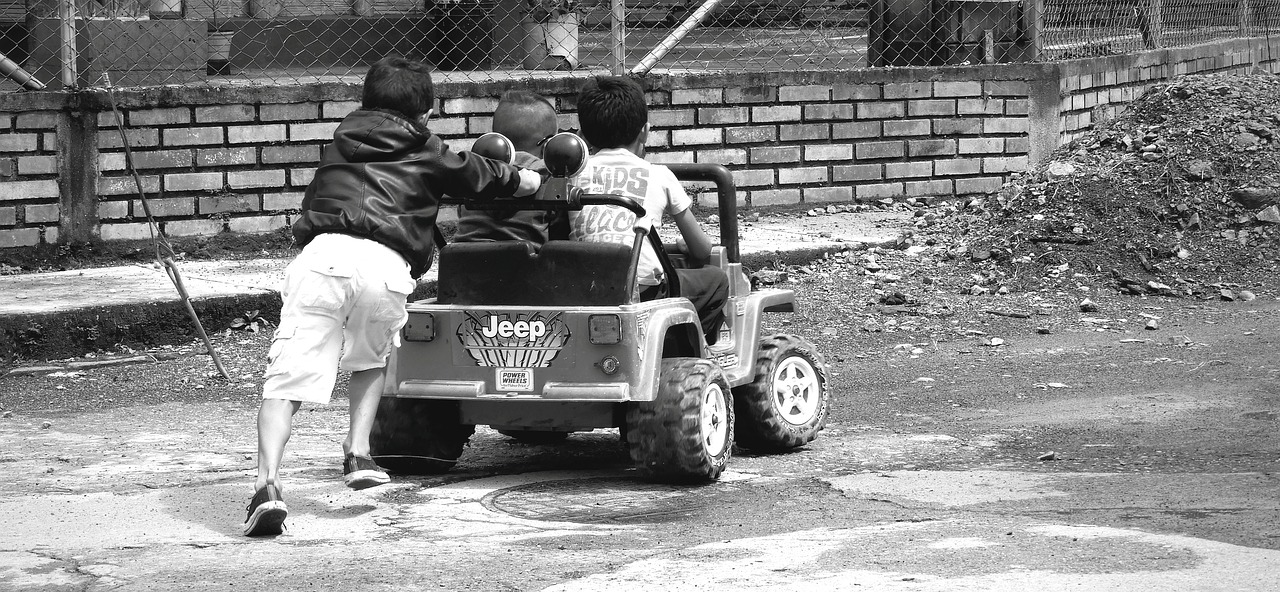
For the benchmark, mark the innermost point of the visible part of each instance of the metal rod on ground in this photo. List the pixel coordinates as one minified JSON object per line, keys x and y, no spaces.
{"x":165,"y":259}
{"x":15,"y":72}
{"x":672,"y":39}
{"x":618,"y":35}
{"x":68,"y":54}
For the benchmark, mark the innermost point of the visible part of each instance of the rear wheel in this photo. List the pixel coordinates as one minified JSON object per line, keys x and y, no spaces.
{"x":686,"y":433}
{"x":788,"y":402}
{"x":417,"y":437}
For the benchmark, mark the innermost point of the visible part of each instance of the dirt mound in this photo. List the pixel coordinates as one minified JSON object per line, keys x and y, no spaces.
{"x":1178,"y":195}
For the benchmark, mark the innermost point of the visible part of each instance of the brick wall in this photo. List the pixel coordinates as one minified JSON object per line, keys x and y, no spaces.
{"x":217,"y":160}
{"x":1096,"y":89}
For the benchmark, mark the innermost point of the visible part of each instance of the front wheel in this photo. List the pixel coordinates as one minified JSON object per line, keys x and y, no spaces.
{"x":787,"y":403}
{"x":417,"y":437}
{"x":686,"y":433}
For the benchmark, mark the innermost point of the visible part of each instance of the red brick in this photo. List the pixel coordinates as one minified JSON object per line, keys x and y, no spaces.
{"x":40,"y":213}
{"x":751,"y":94}
{"x":8,"y":216}
{"x":1004,"y":164}
{"x":823,"y":152}
{"x":855,"y":92}
{"x":1006,"y":88}
{"x":155,"y":117}
{"x":981,"y":145}
{"x":697,"y":96}
{"x":19,"y":237}
{"x":775,"y":197}
{"x":170,"y":206}
{"x":127,"y":186}
{"x":257,"y":224}
{"x":840,"y":111}
{"x":258,"y":178}
{"x":225,"y":113}
{"x":908,"y":90}
{"x":723,"y":115}
{"x":980,"y":106}
{"x":138,"y":138}
{"x":37,"y":120}
{"x":881,"y":150}
{"x":978,"y":185}
{"x":193,"y":227}
{"x":193,"y":182}
{"x":338,"y":109}
{"x":789,"y":176}
{"x":879,"y":191}
{"x":19,"y":142}
{"x":751,"y":135}
{"x":113,"y":210}
{"x":16,"y":190}
{"x":210,"y":157}
{"x":275,"y":202}
{"x":804,"y":94}
{"x":931,"y":108}
{"x":673,"y":118}
{"x":855,"y":130}
{"x":963,"y":126}
{"x":301,"y":177}
{"x":754,"y":177}
{"x":775,"y":155}
{"x":672,"y":157}
{"x":906,"y":170}
{"x":302,"y":132}
{"x":775,"y":113}
{"x":290,"y":154}
{"x":959,"y":88}
{"x":725,"y":156}
{"x":907,"y":127}
{"x":931,"y":187}
{"x":881,"y":110}
{"x":957,"y":166}
{"x":935,"y":147}
{"x":1006,"y":125}
{"x":133,"y":231}
{"x":228,"y":203}
{"x":827,"y":194}
{"x":697,"y":136}
{"x":191,"y":136}
{"x":857,"y":172}
{"x":805,"y":131}
{"x":163,"y":159}
{"x":468,"y":105}
{"x":37,"y":165}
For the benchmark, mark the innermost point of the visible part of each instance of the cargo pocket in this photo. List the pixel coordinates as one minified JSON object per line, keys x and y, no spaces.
{"x":279,"y":341}
{"x":392,"y":312}
{"x":326,"y":286}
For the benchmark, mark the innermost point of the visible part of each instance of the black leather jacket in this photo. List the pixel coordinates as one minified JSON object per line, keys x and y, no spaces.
{"x":382,"y":178}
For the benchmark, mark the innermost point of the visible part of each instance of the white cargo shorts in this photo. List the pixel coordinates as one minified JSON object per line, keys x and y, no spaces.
{"x":344,"y":306}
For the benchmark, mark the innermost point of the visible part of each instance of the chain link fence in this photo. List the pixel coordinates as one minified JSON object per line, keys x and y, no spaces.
{"x":79,"y":43}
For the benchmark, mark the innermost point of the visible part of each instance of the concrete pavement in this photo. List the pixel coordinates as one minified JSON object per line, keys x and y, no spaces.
{"x":66,"y":314}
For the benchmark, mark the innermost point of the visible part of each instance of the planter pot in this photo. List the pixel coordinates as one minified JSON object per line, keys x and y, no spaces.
{"x":219,"y":52}
{"x":550,"y":45}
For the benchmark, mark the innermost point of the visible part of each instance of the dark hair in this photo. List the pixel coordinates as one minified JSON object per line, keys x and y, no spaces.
{"x":525,"y":117}
{"x":401,"y":85}
{"x":611,"y":111}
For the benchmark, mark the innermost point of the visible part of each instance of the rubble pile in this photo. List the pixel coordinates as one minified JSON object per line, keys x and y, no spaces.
{"x":1179,"y":195}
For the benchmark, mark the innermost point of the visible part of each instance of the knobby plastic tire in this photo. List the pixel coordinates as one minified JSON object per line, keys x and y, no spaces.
{"x":417,"y":437}
{"x":762,"y":427}
{"x":665,"y":436}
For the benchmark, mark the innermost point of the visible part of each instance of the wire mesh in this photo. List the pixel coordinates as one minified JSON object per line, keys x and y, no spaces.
{"x":73,"y":43}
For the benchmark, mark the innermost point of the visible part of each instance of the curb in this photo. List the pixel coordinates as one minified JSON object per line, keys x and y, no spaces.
{"x":73,"y":333}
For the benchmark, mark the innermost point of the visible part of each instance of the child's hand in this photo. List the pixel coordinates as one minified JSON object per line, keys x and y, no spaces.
{"x":530,"y":181}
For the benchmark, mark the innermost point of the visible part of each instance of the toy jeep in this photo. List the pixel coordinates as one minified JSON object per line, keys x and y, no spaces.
{"x":539,"y":342}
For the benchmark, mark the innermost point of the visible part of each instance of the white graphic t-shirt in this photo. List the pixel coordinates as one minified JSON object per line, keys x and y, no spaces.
{"x":617,"y":171}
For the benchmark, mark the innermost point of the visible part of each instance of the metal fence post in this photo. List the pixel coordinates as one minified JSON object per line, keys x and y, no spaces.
{"x":67,"y":31}
{"x":618,"y":35}
{"x":1032,"y":25}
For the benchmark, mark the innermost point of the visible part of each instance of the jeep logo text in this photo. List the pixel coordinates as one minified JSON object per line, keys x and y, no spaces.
{"x":530,"y":330}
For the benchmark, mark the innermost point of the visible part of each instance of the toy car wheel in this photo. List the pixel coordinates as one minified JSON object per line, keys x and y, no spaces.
{"x":417,"y":437}
{"x":787,"y":403}
{"x":535,"y":436}
{"x":686,"y":433}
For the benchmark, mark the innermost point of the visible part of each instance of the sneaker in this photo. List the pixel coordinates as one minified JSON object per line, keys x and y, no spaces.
{"x":267,"y":512}
{"x":360,"y":472}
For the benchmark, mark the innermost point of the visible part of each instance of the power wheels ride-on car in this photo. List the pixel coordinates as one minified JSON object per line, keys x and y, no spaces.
{"x":539,"y":342}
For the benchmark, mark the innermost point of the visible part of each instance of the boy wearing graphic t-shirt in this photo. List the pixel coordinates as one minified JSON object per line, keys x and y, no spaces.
{"x":614,"y":120}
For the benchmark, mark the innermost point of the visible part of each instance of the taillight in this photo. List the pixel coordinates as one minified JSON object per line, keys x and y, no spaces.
{"x":604,"y":329}
{"x":421,"y":327}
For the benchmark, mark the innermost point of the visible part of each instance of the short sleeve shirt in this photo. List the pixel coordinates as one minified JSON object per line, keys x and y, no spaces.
{"x":618,"y":171}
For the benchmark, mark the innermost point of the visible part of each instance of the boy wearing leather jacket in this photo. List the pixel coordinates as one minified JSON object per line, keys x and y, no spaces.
{"x":366,"y":229}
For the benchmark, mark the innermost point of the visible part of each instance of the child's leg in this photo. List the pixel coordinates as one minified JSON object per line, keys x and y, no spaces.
{"x":275,"y":422}
{"x":708,"y":289}
{"x":364,"y":392}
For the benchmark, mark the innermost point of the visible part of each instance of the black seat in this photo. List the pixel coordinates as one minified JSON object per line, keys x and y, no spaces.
{"x":561,"y":273}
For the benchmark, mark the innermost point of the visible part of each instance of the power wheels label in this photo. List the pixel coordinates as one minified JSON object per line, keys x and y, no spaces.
{"x":513,"y":340}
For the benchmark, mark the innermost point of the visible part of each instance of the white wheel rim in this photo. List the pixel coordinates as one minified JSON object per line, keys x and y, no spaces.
{"x":715,"y":420}
{"x":797,"y":391}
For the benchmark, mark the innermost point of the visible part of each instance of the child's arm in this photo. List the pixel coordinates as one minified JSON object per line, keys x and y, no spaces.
{"x":696,"y":240}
